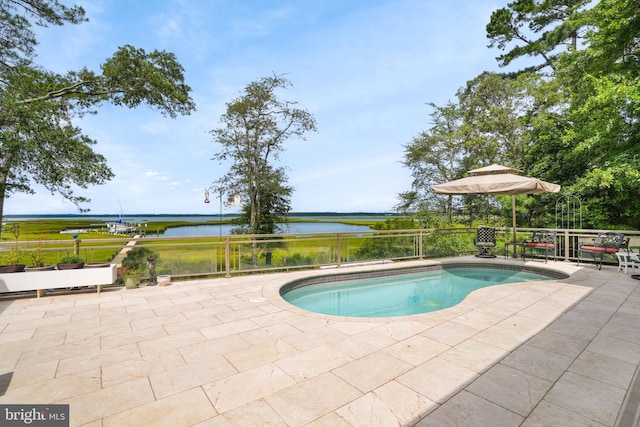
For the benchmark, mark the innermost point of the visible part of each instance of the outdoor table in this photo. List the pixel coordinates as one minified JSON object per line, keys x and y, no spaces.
{"x":627,"y":259}
{"x":515,"y":249}
{"x":635,"y":260}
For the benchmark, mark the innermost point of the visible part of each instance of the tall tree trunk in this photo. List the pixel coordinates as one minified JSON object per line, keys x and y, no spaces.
{"x":255,"y":223}
{"x":2,"y":194}
{"x":4,"y":175}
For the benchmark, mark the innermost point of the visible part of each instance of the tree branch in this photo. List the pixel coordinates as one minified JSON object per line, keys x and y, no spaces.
{"x":61,"y":93}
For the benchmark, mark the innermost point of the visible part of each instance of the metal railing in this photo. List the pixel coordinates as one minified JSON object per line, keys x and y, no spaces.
{"x":242,"y":254}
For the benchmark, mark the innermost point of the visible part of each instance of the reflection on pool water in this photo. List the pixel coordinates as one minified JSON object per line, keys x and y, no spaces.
{"x":400,"y":294}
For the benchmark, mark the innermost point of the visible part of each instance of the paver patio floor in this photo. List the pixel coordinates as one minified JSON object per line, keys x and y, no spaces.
{"x":231,"y":352}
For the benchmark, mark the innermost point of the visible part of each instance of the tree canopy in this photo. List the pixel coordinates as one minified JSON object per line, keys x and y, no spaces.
{"x":573,"y":118}
{"x":554,"y":23}
{"x":39,"y":142}
{"x":254,"y":129}
{"x":17,"y":17}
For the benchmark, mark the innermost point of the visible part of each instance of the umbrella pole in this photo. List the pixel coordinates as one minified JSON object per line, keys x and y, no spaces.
{"x":513,"y":217}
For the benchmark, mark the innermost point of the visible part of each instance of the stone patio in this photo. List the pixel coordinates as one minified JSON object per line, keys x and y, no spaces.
{"x":231,"y":352}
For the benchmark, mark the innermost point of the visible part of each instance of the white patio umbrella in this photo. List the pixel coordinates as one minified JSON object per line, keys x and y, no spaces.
{"x":497,"y":179}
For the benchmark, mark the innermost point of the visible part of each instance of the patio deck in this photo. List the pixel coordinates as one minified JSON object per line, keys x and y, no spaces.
{"x":230,"y":351}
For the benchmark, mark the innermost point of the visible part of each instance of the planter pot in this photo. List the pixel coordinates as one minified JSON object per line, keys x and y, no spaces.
{"x":43,"y":268}
{"x":11,"y":268}
{"x":70,"y":266}
{"x":132,"y":281}
{"x":97,"y":264}
{"x":164,"y":280}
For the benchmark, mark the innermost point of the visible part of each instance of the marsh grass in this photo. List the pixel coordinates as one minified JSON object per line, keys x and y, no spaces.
{"x":203,"y":255}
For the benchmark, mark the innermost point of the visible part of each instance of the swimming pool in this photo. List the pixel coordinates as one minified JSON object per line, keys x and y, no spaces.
{"x":402,"y":292}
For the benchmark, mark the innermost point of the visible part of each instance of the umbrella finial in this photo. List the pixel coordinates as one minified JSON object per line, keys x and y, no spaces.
{"x":494,"y":169}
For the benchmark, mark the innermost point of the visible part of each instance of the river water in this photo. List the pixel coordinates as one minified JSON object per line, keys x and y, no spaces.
{"x":292,"y":228}
{"x":325,"y":224}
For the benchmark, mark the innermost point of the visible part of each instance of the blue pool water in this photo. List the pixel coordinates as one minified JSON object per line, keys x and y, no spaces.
{"x":401,"y":294}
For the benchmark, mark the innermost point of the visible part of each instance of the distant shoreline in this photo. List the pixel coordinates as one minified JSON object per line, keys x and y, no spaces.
{"x":214,"y":216}
{"x":92,"y":215}
{"x":173,"y":220}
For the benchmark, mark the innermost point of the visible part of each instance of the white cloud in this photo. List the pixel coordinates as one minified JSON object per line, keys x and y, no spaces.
{"x":156,"y":127}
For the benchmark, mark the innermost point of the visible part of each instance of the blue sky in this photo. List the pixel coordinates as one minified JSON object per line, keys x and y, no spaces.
{"x":364,"y":68}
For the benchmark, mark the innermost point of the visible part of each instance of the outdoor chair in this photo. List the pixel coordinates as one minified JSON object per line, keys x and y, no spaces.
{"x":542,"y":240}
{"x":627,"y":260}
{"x":485,"y":240}
{"x":604,"y":243}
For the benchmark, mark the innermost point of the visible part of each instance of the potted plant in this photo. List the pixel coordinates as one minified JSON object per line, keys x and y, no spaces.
{"x":133,"y":266}
{"x":37,"y":261}
{"x":70,"y":262}
{"x":10,"y":261}
{"x":131,"y":277}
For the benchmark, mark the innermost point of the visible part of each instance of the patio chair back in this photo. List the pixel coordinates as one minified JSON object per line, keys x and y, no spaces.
{"x":485,"y":239}
{"x":541,"y":240}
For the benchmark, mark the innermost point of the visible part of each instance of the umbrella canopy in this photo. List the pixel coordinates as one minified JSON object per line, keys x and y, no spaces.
{"x":497,"y":179}
{"x":501,"y":183}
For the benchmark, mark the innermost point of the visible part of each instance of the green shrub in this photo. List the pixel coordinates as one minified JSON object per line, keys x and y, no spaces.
{"x":136,"y":258}
{"x":71,"y":259}
{"x":447,"y":243}
{"x":298,"y":259}
{"x":11,"y":257}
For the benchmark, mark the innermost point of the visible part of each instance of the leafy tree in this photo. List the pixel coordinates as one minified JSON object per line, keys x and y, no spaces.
{"x":605,"y":115}
{"x":554,"y":22}
{"x":494,"y":108}
{"x":548,"y":155}
{"x":589,"y":138}
{"x":17,"y":40}
{"x":582,"y":120}
{"x":613,"y":40}
{"x":38,"y":141}
{"x":487,"y":125}
{"x":255,"y":127}
{"x":275,"y":206}
{"x":434,"y":156}
{"x":578,"y":125}
{"x":498,"y":109}
{"x":275,"y":196}
{"x":610,"y":192}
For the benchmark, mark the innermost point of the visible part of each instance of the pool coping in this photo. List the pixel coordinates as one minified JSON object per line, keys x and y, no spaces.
{"x":345,"y":276}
